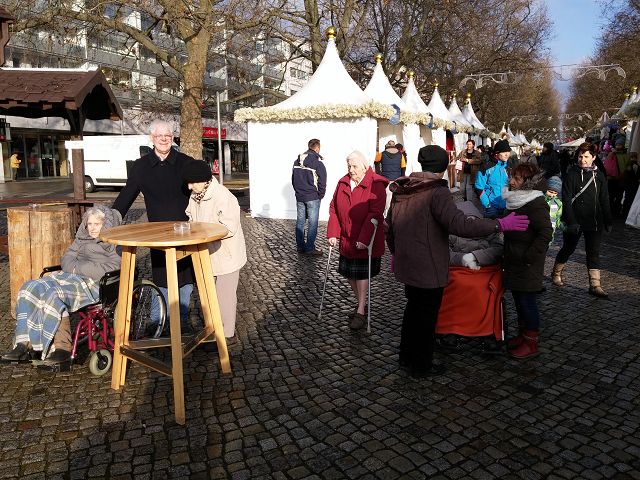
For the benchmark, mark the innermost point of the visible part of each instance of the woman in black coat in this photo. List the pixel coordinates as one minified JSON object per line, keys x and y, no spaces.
{"x":525,"y":252}
{"x":585,"y":211}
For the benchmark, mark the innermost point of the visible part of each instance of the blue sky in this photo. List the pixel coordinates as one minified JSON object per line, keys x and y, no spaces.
{"x":573,"y":40}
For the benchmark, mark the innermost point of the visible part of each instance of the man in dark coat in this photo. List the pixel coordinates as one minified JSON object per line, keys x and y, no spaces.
{"x":392,"y":162}
{"x":417,"y":227}
{"x":549,"y":161}
{"x":158,"y":176}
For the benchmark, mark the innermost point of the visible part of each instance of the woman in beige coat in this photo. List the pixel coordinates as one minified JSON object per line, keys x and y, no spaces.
{"x":210,"y":202}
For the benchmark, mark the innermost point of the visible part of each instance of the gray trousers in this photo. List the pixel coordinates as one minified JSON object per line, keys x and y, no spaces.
{"x":226,"y":288}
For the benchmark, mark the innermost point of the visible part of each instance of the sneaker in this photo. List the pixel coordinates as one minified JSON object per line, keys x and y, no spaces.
{"x":315,"y":252}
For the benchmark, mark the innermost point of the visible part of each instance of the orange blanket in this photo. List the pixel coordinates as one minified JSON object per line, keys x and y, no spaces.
{"x":472,"y":303}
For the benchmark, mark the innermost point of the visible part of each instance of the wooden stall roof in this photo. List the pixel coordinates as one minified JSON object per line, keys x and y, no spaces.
{"x":52,"y":92}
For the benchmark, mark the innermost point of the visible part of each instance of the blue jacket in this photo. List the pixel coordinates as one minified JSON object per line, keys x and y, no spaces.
{"x":490,"y":185}
{"x":309,"y":177}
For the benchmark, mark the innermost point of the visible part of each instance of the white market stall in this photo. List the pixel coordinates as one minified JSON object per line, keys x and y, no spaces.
{"x":471,"y":117}
{"x":416,"y":105}
{"x":330,"y":107}
{"x":442,"y":119}
{"x":463,"y":127}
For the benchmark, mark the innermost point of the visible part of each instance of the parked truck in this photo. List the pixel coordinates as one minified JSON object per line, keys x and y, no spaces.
{"x":107,"y":158}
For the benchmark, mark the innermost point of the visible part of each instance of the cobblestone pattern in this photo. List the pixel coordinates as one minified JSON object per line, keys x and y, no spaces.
{"x":310,"y":399}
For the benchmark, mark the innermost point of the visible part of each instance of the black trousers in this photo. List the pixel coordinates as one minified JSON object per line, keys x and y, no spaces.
{"x":417,"y":337}
{"x":615,"y":188}
{"x":592,"y":240}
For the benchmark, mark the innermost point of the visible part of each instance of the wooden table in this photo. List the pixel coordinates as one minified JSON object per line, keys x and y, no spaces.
{"x":161,"y":236}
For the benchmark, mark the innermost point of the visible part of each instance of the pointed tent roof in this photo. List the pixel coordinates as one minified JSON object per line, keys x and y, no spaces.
{"x":379,"y":88}
{"x":456,"y":114}
{"x":470,"y":115}
{"x":412,"y":98}
{"x":513,"y":139}
{"x":330,"y":84}
{"x":620,"y":112}
{"x":437,"y":106}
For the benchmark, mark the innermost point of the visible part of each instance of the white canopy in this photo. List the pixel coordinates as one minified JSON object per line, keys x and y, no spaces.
{"x":437,"y":106}
{"x":412,"y":98}
{"x":456,"y":114}
{"x":470,"y":115}
{"x":330,"y":84}
{"x":575,"y":143}
{"x":380,"y":90}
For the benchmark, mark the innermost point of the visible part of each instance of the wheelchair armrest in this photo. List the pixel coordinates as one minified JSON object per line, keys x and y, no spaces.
{"x":53,"y":268}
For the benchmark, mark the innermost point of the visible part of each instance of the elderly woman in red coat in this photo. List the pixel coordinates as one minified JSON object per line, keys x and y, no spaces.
{"x":360,"y":196}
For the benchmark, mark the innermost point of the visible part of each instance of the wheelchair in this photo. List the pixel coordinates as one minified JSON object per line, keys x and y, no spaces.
{"x":95,"y":321}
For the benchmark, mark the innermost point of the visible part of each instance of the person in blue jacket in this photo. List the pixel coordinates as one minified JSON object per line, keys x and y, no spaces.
{"x":309,"y":180}
{"x":491,"y":183}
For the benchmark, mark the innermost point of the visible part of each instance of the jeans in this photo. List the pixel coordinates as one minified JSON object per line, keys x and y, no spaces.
{"x":466,"y":187}
{"x":527,"y":309}
{"x":417,"y":336}
{"x":592,"y":240}
{"x":185,"y":298}
{"x":307,"y":210}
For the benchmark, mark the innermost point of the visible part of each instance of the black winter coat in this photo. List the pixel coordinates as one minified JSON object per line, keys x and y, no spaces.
{"x":166,"y":197}
{"x":591,"y":210}
{"x":525,"y":252}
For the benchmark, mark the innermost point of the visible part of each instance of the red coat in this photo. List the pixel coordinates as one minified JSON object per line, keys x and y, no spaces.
{"x":350,"y":214}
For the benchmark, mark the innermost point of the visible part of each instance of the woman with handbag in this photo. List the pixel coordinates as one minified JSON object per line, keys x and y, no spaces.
{"x":586,"y":211}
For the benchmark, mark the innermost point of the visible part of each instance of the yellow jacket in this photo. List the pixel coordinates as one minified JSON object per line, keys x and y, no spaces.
{"x":15,"y":161}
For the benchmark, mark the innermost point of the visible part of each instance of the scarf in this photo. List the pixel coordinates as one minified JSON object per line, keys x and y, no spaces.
{"x":197,"y":197}
{"x":517,"y":198}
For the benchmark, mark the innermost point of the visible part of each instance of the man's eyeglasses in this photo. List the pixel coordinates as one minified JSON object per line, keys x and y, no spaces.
{"x":163,"y":136}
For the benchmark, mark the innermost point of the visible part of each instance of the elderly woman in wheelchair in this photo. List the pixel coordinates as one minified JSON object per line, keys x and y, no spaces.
{"x":43,"y":305}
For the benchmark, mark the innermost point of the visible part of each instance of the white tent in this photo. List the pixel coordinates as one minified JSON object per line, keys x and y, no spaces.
{"x":471,"y":117}
{"x":439,"y":111}
{"x":573,"y":144}
{"x":414,"y":103}
{"x":380,"y":90}
{"x":462,"y":125}
{"x":332,"y":108}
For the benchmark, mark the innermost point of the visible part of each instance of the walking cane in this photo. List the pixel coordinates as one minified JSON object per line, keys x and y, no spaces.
{"x":324,"y":286}
{"x":369,"y":250}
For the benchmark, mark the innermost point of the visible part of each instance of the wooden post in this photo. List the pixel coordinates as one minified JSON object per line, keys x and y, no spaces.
{"x":38,"y":237}
{"x":77,"y":159}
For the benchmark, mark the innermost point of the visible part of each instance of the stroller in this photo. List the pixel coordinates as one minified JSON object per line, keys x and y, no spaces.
{"x":472,"y":306}
{"x":95,"y":324}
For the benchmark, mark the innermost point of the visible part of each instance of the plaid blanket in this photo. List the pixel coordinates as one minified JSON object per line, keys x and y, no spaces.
{"x":42,"y":303}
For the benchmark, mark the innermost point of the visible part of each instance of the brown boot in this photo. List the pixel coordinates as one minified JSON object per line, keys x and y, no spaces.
{"x":529,"y":346}
{"x":556,"y":276}
{"x":595,"y":288}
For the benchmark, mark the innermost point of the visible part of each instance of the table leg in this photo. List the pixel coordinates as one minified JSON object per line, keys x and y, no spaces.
{"x":123,"y":316}
{"x":209,"y":302}
{"x":176,"y":335}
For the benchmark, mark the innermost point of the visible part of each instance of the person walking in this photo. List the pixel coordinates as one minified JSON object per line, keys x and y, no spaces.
{"x":471,"y":160}
{"x":211,"y":202}
{"x":359,"y":197}
{"x":585,"y":211}
{"x":392,"y":162}
{"x":490,"y":184}
{"x":615,"y":165}
{"x":309,"y":180}
{"x":158,"y":176}
{"x":549,"y":162}
{"x":524,"y":254}
{"x":417,"y":227}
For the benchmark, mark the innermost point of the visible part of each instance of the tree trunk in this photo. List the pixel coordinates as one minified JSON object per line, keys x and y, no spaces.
{"x":192,"y":100}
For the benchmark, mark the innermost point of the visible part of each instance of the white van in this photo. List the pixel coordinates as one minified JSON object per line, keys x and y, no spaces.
{"x":106,"y":157}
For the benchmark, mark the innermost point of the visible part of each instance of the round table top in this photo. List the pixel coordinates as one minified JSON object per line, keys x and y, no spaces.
{"x":162,"y":234}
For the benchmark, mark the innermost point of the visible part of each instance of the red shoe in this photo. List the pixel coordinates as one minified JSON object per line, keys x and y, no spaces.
{"x":529,"y":346}
{"x":515,"y":342}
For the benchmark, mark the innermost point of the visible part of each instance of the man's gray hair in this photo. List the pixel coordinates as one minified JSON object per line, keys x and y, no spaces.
{"x":360,"y":157}
{"x":159,"y":123}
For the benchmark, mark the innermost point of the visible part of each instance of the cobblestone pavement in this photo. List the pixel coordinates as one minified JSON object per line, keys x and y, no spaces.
{"x":310,"y":399}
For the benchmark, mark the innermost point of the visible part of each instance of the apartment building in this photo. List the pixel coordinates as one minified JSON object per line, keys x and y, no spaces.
{"x":247,"y":69}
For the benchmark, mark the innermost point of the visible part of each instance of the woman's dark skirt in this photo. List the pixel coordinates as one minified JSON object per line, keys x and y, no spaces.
{"x":357,"y":268}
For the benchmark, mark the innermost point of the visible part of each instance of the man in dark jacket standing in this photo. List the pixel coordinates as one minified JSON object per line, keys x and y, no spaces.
{"x":549,"y":161}
{"x":309,"y":180}
{"x":391,"y":163}
{"x":158,"y":176}
{"x":417,"y":227}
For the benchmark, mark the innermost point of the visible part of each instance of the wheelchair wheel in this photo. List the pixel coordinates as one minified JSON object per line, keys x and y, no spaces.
{"x":100,"y":362}
{"x":148,"y":312}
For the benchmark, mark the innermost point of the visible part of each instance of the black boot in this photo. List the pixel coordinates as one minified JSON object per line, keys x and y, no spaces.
{"x":20,"y":354}
{"x":58,"y":361}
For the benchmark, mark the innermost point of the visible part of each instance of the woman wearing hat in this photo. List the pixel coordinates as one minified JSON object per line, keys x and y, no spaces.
{"x":490,"y":184}
{"x":213,"y":203}
{"x":585,"y":211}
